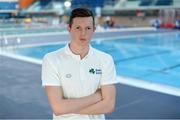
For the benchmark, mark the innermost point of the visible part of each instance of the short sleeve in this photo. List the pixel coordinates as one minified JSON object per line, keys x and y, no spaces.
{"x":49,"y":73}
{"x":108,"y":72}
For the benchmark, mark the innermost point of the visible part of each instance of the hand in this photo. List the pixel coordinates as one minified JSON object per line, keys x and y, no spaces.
{"x":98,"y":95}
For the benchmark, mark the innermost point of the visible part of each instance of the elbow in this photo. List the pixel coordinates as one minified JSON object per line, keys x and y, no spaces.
{"x":110,"y":108}
{"x":57,"y":112}
{"x":59,"y":109}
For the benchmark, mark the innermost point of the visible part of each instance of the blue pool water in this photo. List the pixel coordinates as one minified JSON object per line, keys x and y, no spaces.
{"x":154,"y":58}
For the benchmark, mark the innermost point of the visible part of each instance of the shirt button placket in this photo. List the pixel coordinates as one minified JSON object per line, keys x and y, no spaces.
{"x":81,"y":75}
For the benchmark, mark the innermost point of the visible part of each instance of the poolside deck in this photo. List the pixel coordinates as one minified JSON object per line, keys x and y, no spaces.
{"x":22,"y":97}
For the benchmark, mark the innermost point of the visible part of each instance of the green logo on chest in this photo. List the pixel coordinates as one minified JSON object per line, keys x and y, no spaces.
{"x":92,"y":71}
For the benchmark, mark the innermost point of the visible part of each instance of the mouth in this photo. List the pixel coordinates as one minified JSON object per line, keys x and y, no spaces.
{"x":82,"y":39}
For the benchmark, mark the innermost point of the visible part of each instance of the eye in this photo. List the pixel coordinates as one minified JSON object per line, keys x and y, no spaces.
{"x":88,"y":28}
{"x":77,"y":27}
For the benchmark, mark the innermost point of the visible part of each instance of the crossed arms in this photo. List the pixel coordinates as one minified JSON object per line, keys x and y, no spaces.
{"x":101,"y":102}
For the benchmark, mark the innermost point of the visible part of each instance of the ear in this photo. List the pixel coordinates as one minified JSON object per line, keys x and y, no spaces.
{"x":94,"y":29}
{"x":68,"y":28}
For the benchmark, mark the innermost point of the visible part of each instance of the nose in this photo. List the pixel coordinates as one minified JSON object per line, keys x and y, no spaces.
{"x":83,"y":32}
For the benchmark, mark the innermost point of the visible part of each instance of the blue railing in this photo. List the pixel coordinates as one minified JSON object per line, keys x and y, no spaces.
{"x":164,"y":2}
{"x":146,"y":2}
{"x":8,"y":5}
{"x":87,"y":3}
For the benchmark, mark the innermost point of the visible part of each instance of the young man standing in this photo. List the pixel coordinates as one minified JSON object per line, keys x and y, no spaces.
{"x":79,"y":80}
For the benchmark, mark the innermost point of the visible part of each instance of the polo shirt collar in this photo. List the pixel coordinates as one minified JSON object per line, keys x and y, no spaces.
{"x":77,"y":57}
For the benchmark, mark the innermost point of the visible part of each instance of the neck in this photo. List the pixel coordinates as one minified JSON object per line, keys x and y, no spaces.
{"x":79,"y":50}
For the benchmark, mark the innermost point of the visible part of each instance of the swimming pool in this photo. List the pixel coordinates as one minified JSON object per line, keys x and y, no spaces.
{"x":154,"y":58}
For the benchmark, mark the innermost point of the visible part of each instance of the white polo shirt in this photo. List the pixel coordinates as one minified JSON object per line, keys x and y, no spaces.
{"x":78,"y":77}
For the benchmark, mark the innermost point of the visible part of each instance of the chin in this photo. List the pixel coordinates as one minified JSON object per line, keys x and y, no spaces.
{"x":84,"y":44}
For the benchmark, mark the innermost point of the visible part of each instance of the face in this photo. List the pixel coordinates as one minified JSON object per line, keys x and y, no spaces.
{"x":81,"y":30}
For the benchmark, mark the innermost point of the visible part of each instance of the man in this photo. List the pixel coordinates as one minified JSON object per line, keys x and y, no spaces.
{"x":79,"y":79}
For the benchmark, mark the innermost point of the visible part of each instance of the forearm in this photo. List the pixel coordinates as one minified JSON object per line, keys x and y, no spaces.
{"x":61,"y":106}
{"x":77,"y":104}
{"x":106,"y":105}
{"x":98,"y":108}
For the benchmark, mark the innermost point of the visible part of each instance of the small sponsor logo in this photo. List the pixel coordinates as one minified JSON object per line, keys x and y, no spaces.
{"x":68,"y":75}
{"x":95,"y":71}
{"x":98,"y":71}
